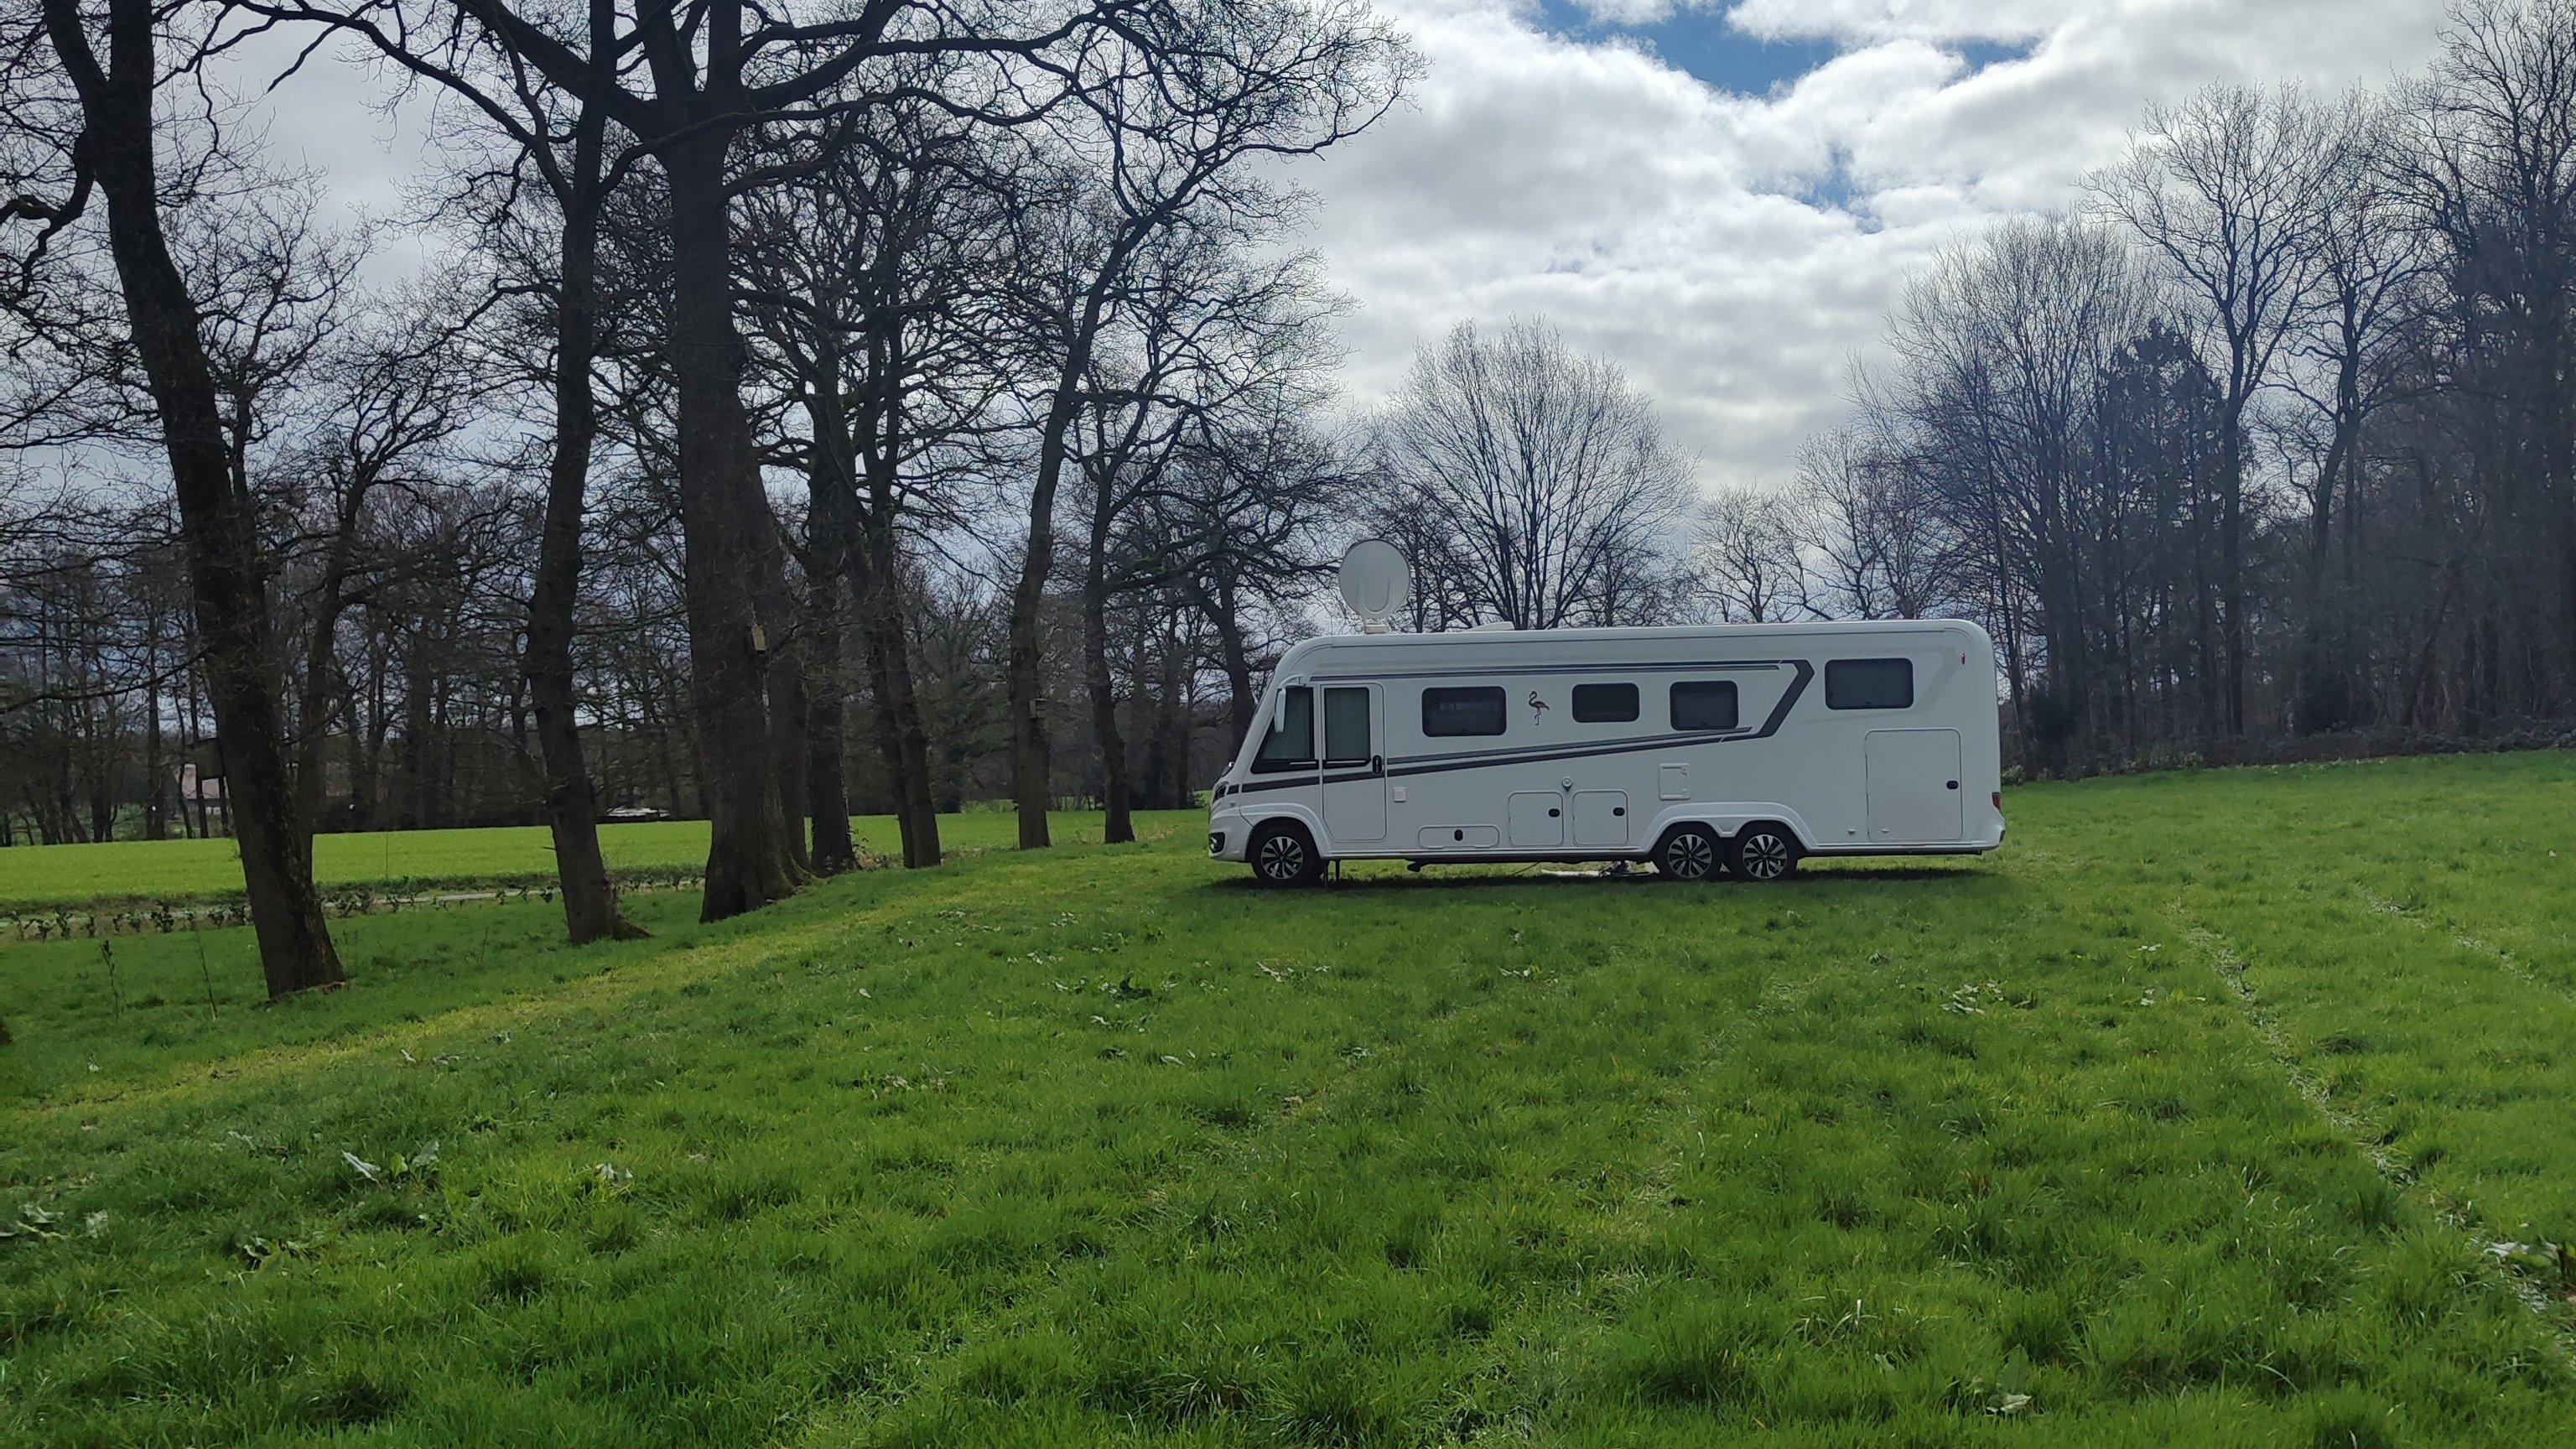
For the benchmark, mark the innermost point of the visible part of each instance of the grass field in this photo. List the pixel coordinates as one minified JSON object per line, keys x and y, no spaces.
{"x":2197,"y":1115}
{"x":66,"y":876}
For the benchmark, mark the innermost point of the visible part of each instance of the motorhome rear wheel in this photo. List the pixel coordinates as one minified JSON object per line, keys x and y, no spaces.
{"x":1692,"y":852}
{"x":1763,"y":853}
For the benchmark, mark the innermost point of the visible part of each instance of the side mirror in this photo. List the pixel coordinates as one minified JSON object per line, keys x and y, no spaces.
{"x":1279,"y":711}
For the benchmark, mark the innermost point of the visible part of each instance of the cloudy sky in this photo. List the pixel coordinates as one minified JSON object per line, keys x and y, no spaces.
{"x":1726,"y":196}
{"x":1723,"y":195}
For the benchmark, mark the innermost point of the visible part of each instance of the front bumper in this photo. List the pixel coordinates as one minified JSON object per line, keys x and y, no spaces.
{"x":1228,"y":836}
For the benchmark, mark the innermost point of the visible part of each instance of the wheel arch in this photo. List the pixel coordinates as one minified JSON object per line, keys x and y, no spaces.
{"x":1262,"y":817}
{"x":1730,"y":819}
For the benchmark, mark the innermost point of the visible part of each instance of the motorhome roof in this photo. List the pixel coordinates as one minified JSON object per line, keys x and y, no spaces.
{"x":1821,"y":628}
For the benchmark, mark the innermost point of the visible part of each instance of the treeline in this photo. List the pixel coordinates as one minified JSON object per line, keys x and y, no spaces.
{"x":875,"y":403}
{"x":2273,"y":435}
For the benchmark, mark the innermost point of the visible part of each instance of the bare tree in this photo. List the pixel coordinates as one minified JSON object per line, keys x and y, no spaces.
{"x":1185,"y":119}
{"x":687,"y":85}
{"x":2489,"y":163}
{"x":98,"y":101}
{"x":389,"y":399}
{"x":1546,"y":475}
{"x":568,"y":154}
{"x":2223,"y":190}
{"x":1748,"y":557}
{"x":1203,"y":337}
{"x":2000,"y":349}
{"x":1253,"y":507}
{"x":874,"y":281}
{"x":1882,"y":549}
{"x":2367,"y":266}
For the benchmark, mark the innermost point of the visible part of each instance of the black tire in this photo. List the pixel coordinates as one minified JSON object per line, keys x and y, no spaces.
{"x":1282,"y":855}
{"x":1691,"y":852}
{"x":1763,"y":853}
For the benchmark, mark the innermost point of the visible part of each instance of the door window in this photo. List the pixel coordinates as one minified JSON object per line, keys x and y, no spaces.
{"x":1346,"y":727}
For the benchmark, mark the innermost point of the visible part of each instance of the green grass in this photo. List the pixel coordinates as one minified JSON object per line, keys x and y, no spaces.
{"x":2188,"y":1118}
{"x":52,"y":876}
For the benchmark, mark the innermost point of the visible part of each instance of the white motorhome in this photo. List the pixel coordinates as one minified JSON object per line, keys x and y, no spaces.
{"x":1742,"y":746}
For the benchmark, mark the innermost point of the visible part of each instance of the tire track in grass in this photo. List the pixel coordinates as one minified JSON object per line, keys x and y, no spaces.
{"x":2471,"y":943}
{"x":1037,"y":1298}
{"x":2359,"y":1131}
{"x":786,"y":933}
{"x":1671,"y":1126}
{"x":1447,"y":1035}
{"x":683,"y":961}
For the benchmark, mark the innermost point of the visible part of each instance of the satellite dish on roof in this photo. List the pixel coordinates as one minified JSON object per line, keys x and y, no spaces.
{"x":1375,"y":582}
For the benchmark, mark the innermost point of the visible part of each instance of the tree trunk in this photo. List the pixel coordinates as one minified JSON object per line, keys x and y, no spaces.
{"x":218,"y":525}
{"x":1226,"y":618}
{"x":2231,"y":564}
{"x":415,"y":814}
{"x":890,"y":653}
{"x":2317,"y":685}
{"x":369,"y":766}
{"x":828,"y":544}
{"x":1030,"y":787}
{"x":572,"y":802}
{"x":729,"y":545}
{"x":904,"y":739}
{"x":315,"y":701}
{"x":863,"y":548}
{"x":156,"y":786}
{"x":1117,"y":825}
{"x":827,"y":768}
{"x":1173,"y":718}
{"x":789,"y":746}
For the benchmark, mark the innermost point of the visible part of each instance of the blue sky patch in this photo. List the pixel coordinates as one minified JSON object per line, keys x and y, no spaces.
{"x":1700,"y":42}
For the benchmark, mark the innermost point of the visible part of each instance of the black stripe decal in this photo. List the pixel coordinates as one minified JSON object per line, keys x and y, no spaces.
{"x":1788,"y":697}
{"x":1552,"y":752}
{"x":1482,"y":760}
{"x":1510,"y":670}
{"x":1374,"y":772}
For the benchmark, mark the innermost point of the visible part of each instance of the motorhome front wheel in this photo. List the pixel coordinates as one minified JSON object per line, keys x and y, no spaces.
{"x":1281,"y":855}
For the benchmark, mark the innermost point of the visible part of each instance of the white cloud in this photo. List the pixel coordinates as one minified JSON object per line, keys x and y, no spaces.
{"x":1628,"y":12}
{"x":1735,"y":251}
{"x":1870,"y":21}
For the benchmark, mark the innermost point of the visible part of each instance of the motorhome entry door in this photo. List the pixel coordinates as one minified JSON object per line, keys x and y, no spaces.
{"x":1354,"y":763}
{"x":1914,"y":782}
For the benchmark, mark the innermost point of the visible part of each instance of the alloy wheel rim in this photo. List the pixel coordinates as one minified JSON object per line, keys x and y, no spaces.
{"x":1764,"y":856}
{"x":1693,"y":856}
{"x":1281,"y":858}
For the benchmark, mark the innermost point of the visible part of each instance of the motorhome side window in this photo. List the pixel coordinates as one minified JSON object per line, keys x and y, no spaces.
{"x":1476,"y":711}
{"x":1604,"y":703}
{"x":1290,"y":744}
{"x":1346,"y":727}
{"x":1703,"y":704}
{"x":1869,"y":684}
